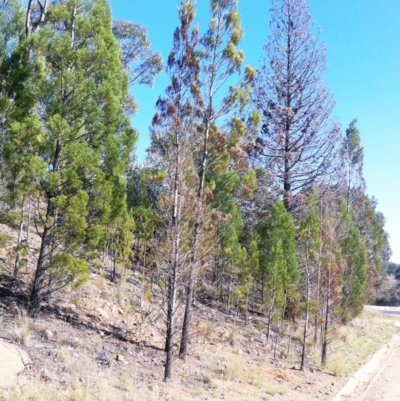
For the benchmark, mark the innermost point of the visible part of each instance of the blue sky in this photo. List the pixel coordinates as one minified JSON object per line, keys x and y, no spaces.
{"x":362,"y":39}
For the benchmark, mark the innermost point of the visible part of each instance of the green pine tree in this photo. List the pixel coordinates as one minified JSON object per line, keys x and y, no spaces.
{"x":278,"y":263}
{"x":78,"y":137}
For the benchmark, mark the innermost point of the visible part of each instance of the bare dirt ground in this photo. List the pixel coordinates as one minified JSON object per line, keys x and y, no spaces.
{"x":98,"y":352}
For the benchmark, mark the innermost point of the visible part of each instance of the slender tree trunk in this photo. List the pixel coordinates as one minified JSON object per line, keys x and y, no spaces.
{"x":170,"y":322}
{"x":174,"y":265}
{"x":283,"y":312}
{"x":305,"y":330}
{"x":19,"y":241}
{"x":271,"y":308}
{"x":187,"y":319}
{"x":326,"y":326}
{"x":270,"y":312}
{"x":228,"y":301}
{"x":246,"y":315}
{"x":190,"y":287}
{"x":195,"y":257}
{"x":28,"y":224}
{"x":276,"y":341}
{"x":316,"y":324}
{"x":114,"y":264}
{"x":290,"y":338}
{"x":42,"y":265}
{"x":263,"y":286}
{"x":28,"y":20}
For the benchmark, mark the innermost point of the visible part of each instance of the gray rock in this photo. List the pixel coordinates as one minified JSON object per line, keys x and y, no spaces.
{"x":102,"y":312}
{"x":47,"y":334}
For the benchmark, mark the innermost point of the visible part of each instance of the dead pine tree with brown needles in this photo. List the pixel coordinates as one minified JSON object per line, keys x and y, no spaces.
{"x":173,"y":127}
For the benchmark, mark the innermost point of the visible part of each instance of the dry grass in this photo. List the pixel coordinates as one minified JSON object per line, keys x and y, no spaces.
{"x":37,"y":390}
{"x":233,"y":367}
{"x":207,"y":330}
{"x":355,"y":343}
{"x":233,"y":334}
{"x":256,"y":378}
{"x":21,"y":331}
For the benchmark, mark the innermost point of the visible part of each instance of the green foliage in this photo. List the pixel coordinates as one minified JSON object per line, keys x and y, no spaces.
{"x":355,"y":275}
{"x":310,"y":230}
{"x":277,"y":247}
{"x":5,"y":240}
{"x":352,"y":146}
{"x":233,"y":257}
{"x":69,"y":270}
{"x":71,"y":150}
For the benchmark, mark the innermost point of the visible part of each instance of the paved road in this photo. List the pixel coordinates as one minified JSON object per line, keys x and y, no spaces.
{"x":379,"y":379}
{"x":391,"y":312}
{"x":386,"y":384}
{"x":387,"y":310}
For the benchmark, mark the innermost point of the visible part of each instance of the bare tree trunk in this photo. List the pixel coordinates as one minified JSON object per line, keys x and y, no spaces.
{"x":195,"y":257}
{"x":305,"y":330}
{"x":271,"y":308}
{"x":263,"y":287}
{"x":28,"y":224}
{"x":28,"y":20}
{"x":326,"y":325}
{"x":246,"y":315}
{"x":29,"y":25}
{"x":316,"y":323}
{"x":114,"y":264}
{"x":284,"y":311}
{"x":42,"y":266}
{"x":170,"y":322}
{"x":187,"y":318}
{"x":228,"y":300}
{"x":290,"y":338}
{"x":174,"y":263}
{"x":270,"y":313}
{"x":276,"y":340}
{"x":19,"y":241}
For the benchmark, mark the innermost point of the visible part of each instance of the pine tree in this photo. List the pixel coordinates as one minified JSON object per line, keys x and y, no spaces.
{"x":278,"y":261}
{"x":15,"y":103}
{"x":355,"y":274}
{"x":173,"y":129}
{"x":231,"y":258}
{"x":353,"y":157}
{"x":78,"y":136}
{"x":220,"y":60}
{"x":296,"y":140}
